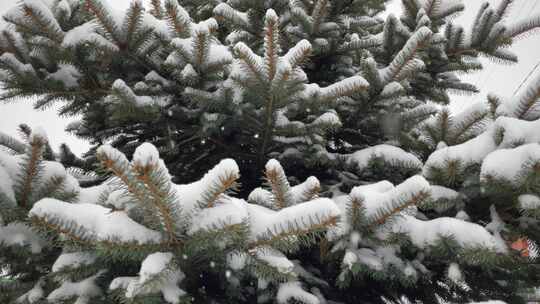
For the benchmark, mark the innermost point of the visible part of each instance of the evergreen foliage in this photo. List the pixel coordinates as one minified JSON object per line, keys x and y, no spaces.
{"x":410,"y":201}
{"x":27,"y":177}
{"x":196,"y":76}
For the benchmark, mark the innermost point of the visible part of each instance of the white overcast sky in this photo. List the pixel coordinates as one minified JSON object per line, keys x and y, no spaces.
{"x":496,"y":78}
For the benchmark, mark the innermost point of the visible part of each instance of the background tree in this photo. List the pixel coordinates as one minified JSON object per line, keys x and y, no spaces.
{"x":312,"y":88}
{"x":203,"y":75}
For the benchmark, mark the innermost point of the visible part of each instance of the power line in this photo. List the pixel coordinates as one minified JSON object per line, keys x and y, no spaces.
{"x":488,"y":76}
{"x":487,"y":73}
{"x":526,"y":78}
{"x":531,"y":11}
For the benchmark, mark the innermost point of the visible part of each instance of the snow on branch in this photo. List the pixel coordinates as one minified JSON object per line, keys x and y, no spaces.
{"x":12,"y":143}
{"x":10,"y":63}
{"x":467,"y":123}
{"x":449,"y":163}
{"x":306,"y":191}
{"x":178,"y":18}
{"x":228,"y":213}
{"x":523,"y":27}
{"x":31,"y":167}
{"x":298,"y":54}
{"x":459,"y":157}
{"x":106,"y":18}
{"x":73,"y":260}
{"x":281,"y":190}
{"x":152,"y":172}
{"x":126,"y":95}
{"x":116,"y":162}
{"x":20,"y":234}
{"x":526,"y":105}
{"x":158,"y":274}
{"x":200,"y":51}
{"x":514,"y":166}
{"x":205,"y":192}
{"x":42,"y":16}
{"x":272,"y":46}
{"x":389,"y":154}
{"x":427,"y":233}
{"x":416,"y":42}
{"x":87,"y":33}
{"x":293,"y":291}
{"x":357,"y":44}
{"x":250,"y":62}
{"x":100,"y":224}
{"x":83,"y":291}
{"x":227,"y":13}
{"x":346,"y":87}
{"x":380,"y":207}
{"x":270,"y":227}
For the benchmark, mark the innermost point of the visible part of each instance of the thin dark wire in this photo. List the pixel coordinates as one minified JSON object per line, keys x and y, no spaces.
{"x":526,"y":78}
{"x":531,"y":11}
{"x":488,"y":76}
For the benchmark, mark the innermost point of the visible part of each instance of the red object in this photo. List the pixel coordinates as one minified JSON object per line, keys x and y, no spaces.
{"x":521,"y":245}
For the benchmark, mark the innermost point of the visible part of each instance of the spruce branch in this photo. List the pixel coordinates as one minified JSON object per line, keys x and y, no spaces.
{"x":450,"y":11}
{"x":431,"y":6}
{"x":12,"y":143}
{"x":157,"y":9}
{"x":201,"y":47}
{"x":218,"y":181}
{"x":104,"y":18}
{"x":307,"y":190}
{"x":299,"y":54}
{"x":356,"y":212}
{"x":474,"y":121}
{"x":53,"y":227}
{"x":523,"y":27}
{"x":528,"y":101}
{"x":281,"y":190}
{"x":503,"y":9}
{"x":50,"y":188}
{"x":300,"y":15}
{"x":178,"y":18}
{"x":389,"y":34}
{"x":416,"y":42}
{"x":224,"y":11}
{"x":115,"y":162}
{"x":132,"y":22}
{"x":30,"y":170}
{"x":294,"y":230}
{"x":225,"y":182}
{"x":320,"y":10}
{"x":359,"y":45}
{"x":346,"y":87}
{"x":395,"y":207}
{"x":43,"y":20}
{"x":271,"y":44}
{"x":371,"y":73}
{"x":14,"y":44}
{"x":162,"y":196}
{"x":10,"y":211}
{"x":76,"y":236}
{"x":252,"y":62}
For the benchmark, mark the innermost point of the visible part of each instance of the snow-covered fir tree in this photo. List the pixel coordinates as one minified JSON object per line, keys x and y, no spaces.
{"x":209,"y":122}
{"x":300,"y":81}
